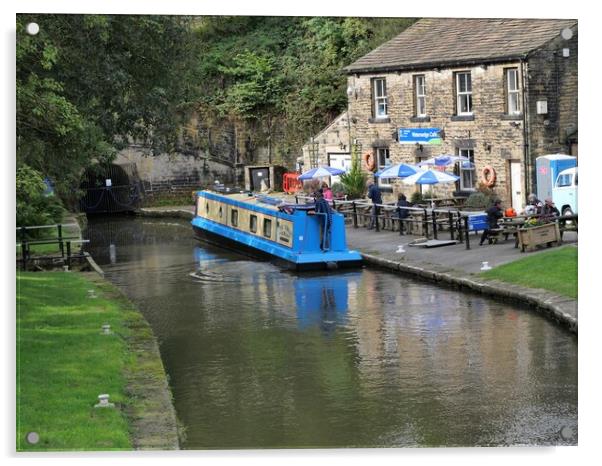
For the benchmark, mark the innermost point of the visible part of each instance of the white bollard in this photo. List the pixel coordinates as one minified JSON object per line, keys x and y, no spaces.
{"x":103,"y":402}
{"x":485,"y":266}
{"x":400,"y":249}
{"x":106,"y":329}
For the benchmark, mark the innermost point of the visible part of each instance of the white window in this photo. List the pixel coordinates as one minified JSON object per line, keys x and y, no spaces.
{"x":380,"y":98}
{"x":467,"y":170}
{"x":383,"y":161}
{"x":464,"y":93}
{"x":513,"y":91}
{"x":420,"y":90}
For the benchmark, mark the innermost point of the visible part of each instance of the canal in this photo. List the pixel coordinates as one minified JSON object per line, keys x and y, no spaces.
{"x":261,"y":358}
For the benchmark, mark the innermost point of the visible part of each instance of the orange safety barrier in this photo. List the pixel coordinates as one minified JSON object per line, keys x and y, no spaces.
{"x":291,"y":184}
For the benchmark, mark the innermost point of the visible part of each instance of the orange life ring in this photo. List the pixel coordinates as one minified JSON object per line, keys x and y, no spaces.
{"x":488,"y":176}
{"x":369,"y":161}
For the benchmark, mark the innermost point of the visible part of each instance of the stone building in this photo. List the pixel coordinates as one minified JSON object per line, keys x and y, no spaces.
{"x":499,"y":91}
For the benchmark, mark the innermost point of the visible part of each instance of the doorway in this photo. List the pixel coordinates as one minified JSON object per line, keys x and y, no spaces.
{"x":516,"y":186}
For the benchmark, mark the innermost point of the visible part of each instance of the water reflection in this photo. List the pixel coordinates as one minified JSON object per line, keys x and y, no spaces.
{"x":262,"y":358}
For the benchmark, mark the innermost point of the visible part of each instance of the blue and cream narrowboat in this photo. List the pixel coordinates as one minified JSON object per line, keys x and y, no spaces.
{"x":295,"y":235}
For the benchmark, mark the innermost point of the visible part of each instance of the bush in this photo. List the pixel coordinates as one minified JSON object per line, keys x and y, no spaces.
{"x":416,"y":198}
{"x":478,"y":200}
{"x":33,"y":207}
{"x":482,"y":198}
{"x":354,"y":180}
{"x":337,"y":189}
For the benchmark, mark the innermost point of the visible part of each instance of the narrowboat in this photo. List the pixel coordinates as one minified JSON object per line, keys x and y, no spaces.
{"x":294,"y":235}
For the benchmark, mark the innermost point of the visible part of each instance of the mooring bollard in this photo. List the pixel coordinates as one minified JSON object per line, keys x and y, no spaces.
{"x":485,"y":266}
{"x":106,"y":329}
{"x":103,"y":402}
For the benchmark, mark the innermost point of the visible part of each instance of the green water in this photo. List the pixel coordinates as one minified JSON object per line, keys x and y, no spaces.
{"x":261,"y":358}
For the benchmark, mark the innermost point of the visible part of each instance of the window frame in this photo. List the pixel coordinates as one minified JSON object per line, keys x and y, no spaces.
{"x":386,"y":153}
{"x":418,"y":96}
{"x":463,"y":94}
{"x":378,"y":100}
{"x":253,"y":223}
{"x":466,"y":152}
{"x":512,"y":92}
{"x":267,"y":232}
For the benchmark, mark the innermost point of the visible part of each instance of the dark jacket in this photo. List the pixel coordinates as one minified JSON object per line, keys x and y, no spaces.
{"x":374,"y":194}
{"x":493,"y":214}
{"x":403,"y":213}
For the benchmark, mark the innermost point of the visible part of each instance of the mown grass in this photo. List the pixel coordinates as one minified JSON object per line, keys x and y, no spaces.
{"x":554,"y":270}
{"x":64,"y":362}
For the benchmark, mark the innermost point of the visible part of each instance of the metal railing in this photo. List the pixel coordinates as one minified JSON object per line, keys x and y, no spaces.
{"x":424,"y":221}
{"x":64,"y":243}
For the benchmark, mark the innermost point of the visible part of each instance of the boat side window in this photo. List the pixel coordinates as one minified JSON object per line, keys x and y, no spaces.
{"x":220,"y":211}
{"x":576,"y":179}
{"x":253,"y":223}
{"x":267,"y":227}
{"x":234,"y":217}
{"x":207,"y":207}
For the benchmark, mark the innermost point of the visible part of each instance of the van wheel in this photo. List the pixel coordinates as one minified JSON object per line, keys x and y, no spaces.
{"x":567,"y":211}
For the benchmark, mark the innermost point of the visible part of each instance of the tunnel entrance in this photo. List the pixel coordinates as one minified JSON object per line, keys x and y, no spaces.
{"x":110,"y":189}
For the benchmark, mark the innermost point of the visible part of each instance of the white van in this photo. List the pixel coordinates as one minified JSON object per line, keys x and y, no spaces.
{"x":564,"y":193}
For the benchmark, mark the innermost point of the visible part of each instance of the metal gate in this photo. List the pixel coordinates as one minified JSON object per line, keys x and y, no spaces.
{"x":110,"y":189}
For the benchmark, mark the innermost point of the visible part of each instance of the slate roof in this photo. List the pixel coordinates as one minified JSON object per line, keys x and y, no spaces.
{"x":432,"y":42}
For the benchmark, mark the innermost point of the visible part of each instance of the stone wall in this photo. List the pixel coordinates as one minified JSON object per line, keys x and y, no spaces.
{"x":494,"y":137}
{"x":169,"y":172}
{"x":553,"y":79}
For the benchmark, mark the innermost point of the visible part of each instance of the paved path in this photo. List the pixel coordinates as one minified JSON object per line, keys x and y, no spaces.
{"x":385,"y":244}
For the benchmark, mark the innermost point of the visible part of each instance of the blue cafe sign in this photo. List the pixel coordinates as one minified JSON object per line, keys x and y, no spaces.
{"x":420,"y":135}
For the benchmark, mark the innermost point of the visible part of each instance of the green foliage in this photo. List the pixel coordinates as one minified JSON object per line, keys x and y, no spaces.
{"x":337,"y":189}
{"x":88,"y":84}
{"x":33,"y":207}
{"x":354,"y":180}
{"x":478,"y":200}
{"x":417,"y":198}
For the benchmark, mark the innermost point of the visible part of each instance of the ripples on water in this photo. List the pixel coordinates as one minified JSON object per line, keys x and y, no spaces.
{"x":259,"y":357}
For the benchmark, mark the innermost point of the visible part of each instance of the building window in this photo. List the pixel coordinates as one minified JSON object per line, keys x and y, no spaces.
{"x":512,"y":92}
{"x":383,"y":161}
{"x":420,"y":95}
{"x":234,"y":217}
{"x":253,"y":223}
{"x":467,"y":171}
{"x":463,"y":93}
{"x":267,"y":227}
{"x":379,"y":92}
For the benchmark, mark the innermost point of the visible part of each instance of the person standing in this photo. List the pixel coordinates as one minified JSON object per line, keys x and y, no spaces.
{"x":322,"y":207}
{"x":494,"y":213}
{"x":376,"y":197}
{"x":401,"y":212}
{"x":327,"y":192}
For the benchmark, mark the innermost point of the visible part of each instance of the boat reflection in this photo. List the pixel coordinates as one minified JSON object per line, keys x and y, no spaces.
{"x":323,"y":300}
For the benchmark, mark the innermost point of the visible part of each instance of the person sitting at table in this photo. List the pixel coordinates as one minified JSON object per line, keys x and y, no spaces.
{"x":494,"y":213}
{"x":534,"y":205}
{"x":549,"y":210}
{"x":401,"y":212}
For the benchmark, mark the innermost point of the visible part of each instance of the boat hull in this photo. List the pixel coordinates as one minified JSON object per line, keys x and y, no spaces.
{"x":225,"y":242}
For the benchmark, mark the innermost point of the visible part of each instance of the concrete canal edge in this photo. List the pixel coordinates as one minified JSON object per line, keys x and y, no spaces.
{"x":560,"y":309}
{"x":151,"y":413}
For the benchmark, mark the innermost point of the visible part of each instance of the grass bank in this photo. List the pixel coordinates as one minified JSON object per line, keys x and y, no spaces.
{"x":554,"y":270}
{"x":64,"y":362}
